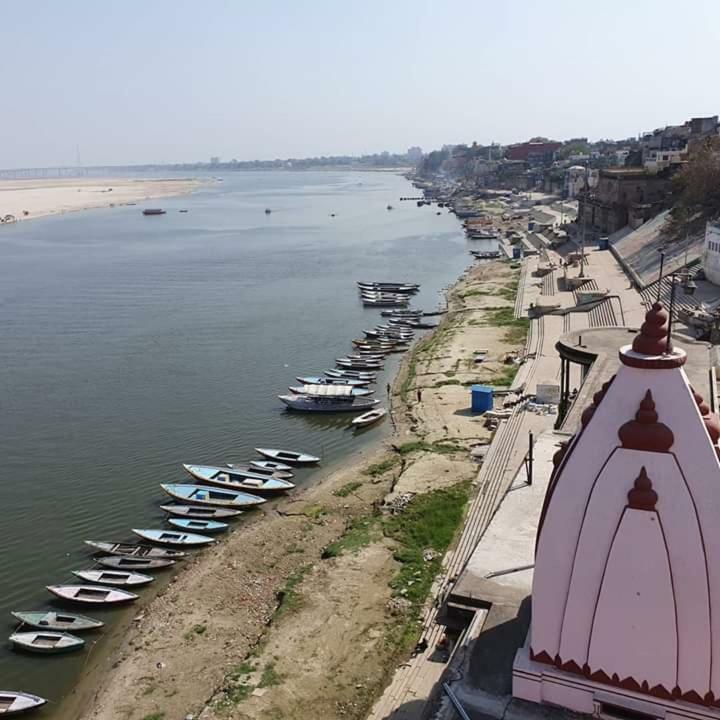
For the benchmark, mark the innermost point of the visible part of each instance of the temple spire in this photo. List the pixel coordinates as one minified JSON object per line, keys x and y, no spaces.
{"x":653,"y":336}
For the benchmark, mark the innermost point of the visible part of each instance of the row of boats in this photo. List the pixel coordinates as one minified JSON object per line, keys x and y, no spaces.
{"x":346,"y":387}
{"x":386,"y":294}
{"x":199,"y":511}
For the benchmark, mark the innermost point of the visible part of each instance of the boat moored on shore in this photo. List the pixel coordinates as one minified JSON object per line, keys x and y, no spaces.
{"x":134,"y":550}
{"x":305,"y":403}
{"x":233,"y":478}
{"x":61,"y":622}
{"x":288,"y":456}
{"x":45,"y":642}
{"x":204,"y":495}
{"x":15,"y":703}
{"x":170,"y":537}
{"x":92,"y":594}
{"x":199,"y":512}
{"x":116,"y":578}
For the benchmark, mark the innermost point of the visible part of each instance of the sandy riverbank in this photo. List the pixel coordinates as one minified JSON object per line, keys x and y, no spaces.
{"x":57,"y":196}
{"x":307,"y":609}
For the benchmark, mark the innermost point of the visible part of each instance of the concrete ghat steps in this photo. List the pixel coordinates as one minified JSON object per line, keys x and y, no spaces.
{"x":521,"y":289}
{"x":416,"y":679}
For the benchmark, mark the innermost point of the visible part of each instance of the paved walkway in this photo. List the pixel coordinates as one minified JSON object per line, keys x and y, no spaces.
{"x":413,"y":683}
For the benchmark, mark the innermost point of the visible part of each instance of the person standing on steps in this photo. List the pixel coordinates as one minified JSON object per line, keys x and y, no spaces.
{"x":419,"y":394}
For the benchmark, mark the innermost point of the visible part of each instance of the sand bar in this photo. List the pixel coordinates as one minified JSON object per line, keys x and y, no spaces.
{"x":56,"y":196}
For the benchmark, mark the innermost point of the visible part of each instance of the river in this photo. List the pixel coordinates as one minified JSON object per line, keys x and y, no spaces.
{"x":130,"y":344}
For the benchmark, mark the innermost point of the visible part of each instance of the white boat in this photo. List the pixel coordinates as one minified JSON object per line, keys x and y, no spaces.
{"x":170,"y":537}
{"x":358,"y":374}
{"x":113,"y":577}
{"x":305,"y":403}
{"x":236,"y":479}
{"x":46,"y":642}
{"x":288,"y":456}
{"x":317,"y":380}
{"x":14,"y":703}
{"x":270,"y":465}
{"x":260,"y":470}
{"x":345,"y":362}
{"x":336,"y":391}
{"x":370,"y":417}
{"x":204,"y":495}
{"x":92,"y":594}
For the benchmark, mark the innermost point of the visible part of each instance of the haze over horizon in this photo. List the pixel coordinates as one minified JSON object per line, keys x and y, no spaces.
{"x":180,"y":81}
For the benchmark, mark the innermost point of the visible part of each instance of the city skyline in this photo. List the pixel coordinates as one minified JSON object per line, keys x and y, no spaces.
{"x":180,"y":82}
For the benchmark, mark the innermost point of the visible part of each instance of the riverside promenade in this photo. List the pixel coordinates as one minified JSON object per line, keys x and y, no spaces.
{"x":415,"y":692}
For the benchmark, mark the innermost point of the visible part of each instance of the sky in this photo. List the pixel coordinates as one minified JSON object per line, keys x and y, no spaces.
{"x":150,"y":81}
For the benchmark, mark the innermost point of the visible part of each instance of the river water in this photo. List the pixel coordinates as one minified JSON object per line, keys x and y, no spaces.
{"x":130,"y":344}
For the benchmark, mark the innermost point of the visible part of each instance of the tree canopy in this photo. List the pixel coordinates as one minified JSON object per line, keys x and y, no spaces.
{"x":696,"y":189}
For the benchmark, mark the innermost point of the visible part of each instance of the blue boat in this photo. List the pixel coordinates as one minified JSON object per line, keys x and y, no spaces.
{"x":203,"y":495}
{"x":170,"y":537}
{"x":234,"y":479}
{"x":211,"y":526}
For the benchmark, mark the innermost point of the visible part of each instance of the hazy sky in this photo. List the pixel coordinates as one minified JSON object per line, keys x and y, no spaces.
{"x":133,"y":81}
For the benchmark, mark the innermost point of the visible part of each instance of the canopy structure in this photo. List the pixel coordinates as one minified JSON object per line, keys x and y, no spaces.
{"x":330,"y":391}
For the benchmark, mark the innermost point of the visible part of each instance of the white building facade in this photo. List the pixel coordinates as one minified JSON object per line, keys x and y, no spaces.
{"x":711,"y":255}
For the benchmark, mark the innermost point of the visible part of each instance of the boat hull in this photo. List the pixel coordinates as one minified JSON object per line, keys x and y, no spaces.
{"x":16,"y":703}
{"x":92,"y":594}
{"x":46,"y":642}
{"x":288,"y":456}
{"x":203,"y":495}
{"x":133,"y":550}
{"x":171,"y":537}
{"x":60,"y":622}
{"x":123,"y":562}
{"x":199,"y":512}
{"x":233,"y":479}
{"x":302,"y":403}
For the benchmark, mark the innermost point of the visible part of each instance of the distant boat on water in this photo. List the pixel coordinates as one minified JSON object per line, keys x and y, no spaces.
{"x":153,"y":211}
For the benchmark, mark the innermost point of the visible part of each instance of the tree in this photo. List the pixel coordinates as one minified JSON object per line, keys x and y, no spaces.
{"x":696,"y":189}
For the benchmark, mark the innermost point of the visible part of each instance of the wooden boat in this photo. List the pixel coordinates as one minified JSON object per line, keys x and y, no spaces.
{"x":203,"y":495}
{"x":383,"y":302}
{"x":406,"y":313}
{"x":211,"y":526}
{"x":305,"y":403}
{"x":120,"y":562}
{"x":52,"y":620}
{"x":153,"y":211}
{"x":117,"y":578}
{"x":317,"y":380}
{"x":314,"y":390}
{"x":288,"y":456}
{"x":170,"y":537}
{"x":14,"y":703}
{"x":134,"y":550}
{"x":46,"y":641}
{"x":270,"y":465}
{"x":92,"y":594}
{"x":370,"y":417}
{"x":235,"y":479}
{"x":199,"y":512}
{"x":250,"y":470}
{"x":358,"y":374}
{"x":344,"y":362}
